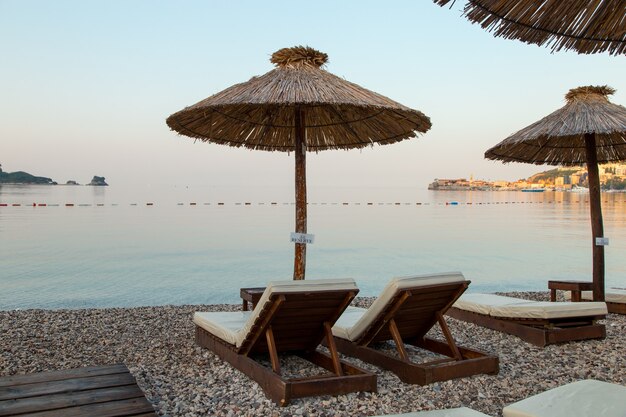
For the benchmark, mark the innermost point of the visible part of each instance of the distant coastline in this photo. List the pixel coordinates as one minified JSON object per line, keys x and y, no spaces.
{"x":24,"y":178}
{"x":612,"y":178}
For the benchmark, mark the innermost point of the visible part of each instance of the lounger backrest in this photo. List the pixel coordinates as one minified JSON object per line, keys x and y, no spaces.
{"x":427,"y":295}
{"x":296,"y":312}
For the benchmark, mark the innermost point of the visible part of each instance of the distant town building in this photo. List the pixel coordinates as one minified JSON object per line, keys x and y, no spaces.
{"x":611,"y":175}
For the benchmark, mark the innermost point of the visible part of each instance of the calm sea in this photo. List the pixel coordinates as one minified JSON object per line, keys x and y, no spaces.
{"x":113,"y":249}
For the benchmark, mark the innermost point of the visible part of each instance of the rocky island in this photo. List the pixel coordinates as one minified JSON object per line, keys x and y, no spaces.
{"x":21,"y":177}
{"x":98,"y":181}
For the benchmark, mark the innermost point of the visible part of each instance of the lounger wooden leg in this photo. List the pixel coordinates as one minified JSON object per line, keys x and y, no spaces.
{"x":332,"y":348}
{"x":271,"y":347}
{"x":448,"y":336}
{"x":395,"y":333}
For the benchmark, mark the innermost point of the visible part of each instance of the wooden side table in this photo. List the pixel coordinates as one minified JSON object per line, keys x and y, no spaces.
{"x":250,"y":295}
{"x":576,"y":287}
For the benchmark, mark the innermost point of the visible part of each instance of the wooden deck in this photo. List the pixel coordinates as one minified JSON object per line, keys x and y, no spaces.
{"x":96,"y":391}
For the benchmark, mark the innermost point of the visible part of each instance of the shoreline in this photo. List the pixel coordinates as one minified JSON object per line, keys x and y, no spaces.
{"x":182,"y":379}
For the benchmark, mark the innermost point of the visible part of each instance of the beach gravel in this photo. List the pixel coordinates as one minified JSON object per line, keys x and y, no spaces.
{"x":182,"y":379}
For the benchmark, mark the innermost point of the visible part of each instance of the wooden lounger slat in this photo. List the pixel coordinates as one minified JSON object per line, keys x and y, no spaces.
{"x":306,"y":312}
{"x":62,"y":400}
{"x":62,"y":374}
{"x":94,"y":391}
{"x":296,"y":305}
{"x":424,"y":299}
{"x":322,"y":298}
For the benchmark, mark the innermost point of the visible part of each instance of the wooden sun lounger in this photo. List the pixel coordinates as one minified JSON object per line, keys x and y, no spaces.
{"x":584,"y":398}
{"x":538,"y":323}
{"x":404,"y":312}
{"x":615,"y":299}
{"x":95,"y":391}
{"x":291,"y":317}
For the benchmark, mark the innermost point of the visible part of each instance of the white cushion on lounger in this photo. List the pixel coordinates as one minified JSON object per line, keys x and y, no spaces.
{"x":223,"y":324}
{"x":484,"y":303}
{"x":346,"y":322}
{"x":612,"y":295}
{"x":452,"y":412}
{"x":233,"y":327}
{"x":357,"y":320}
{"x":579,"y":399}
{"x":509,"y":307}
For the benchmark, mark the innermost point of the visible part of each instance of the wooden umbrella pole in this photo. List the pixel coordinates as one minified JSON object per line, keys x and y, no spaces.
{"x":597,"y":229}
{"x":300,"y":151}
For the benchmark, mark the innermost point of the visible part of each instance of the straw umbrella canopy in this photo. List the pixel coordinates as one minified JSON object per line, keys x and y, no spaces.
{"x":586,"y":26}
{"x":588,"y":129}
{"x":298,"y":107}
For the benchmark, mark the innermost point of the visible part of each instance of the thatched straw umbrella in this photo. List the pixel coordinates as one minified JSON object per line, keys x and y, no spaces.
{"x":586,"y":26}
{"x":298,"y":107}
{"x":588,"y":129}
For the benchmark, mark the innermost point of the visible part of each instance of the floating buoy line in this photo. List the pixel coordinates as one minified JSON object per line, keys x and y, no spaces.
{"x":274,"y":203}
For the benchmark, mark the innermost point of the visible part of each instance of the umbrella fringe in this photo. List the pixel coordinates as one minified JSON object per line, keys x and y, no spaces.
{"x":580,"y":25}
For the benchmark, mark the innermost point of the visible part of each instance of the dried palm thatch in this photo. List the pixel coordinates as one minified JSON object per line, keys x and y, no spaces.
{"x":588,"y":129}
{"x":559,"y":138}
{"x":586,"y":26}
{"x":299,"y":106}
{"x":259,"y":114}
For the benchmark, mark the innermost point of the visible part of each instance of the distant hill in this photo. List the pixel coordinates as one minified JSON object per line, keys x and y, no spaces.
{"x":552,"y":174}
{"x":21,"y":177}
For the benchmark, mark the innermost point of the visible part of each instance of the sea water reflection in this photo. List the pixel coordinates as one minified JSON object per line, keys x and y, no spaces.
{"x":112,"y":249}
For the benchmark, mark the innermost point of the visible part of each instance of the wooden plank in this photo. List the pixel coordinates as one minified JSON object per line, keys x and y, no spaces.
{"x":64,"y":400}
{"x":62,"y":374}
{"x":129,"y":407}
{"x":75,"y":384}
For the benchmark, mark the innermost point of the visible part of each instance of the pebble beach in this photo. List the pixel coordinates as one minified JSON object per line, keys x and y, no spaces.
{"x":182,"y":379}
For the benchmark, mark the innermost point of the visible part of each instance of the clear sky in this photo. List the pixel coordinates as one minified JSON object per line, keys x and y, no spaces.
{"x":86,"y":86}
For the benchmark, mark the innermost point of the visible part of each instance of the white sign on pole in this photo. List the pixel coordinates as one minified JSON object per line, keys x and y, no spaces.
{"x":602,"y":241}
{"x":302,"y":238}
